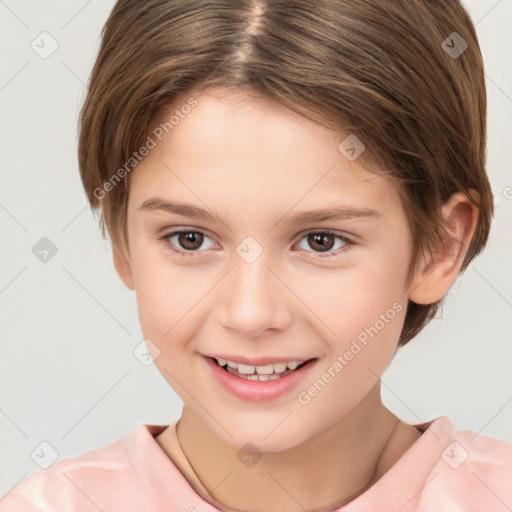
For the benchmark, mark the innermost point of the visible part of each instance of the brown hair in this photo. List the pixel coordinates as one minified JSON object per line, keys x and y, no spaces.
{"x":395,"y":73}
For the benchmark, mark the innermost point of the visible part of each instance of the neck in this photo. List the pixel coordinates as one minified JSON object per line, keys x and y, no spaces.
{"x":325,"y":472}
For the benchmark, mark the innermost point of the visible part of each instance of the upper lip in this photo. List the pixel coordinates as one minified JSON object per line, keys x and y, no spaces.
{"x":259,"y":361}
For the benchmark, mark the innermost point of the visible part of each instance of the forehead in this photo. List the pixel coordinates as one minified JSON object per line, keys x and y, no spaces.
{"x":241,"y":149}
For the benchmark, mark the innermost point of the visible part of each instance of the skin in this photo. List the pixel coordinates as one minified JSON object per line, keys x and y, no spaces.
{"x":253,"y":160}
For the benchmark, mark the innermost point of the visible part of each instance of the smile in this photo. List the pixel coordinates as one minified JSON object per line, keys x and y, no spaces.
{"x":259,"y":383}
{"x":261,"y":373}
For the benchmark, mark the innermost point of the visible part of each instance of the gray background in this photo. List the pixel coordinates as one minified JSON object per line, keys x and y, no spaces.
{"x":69,"y":326}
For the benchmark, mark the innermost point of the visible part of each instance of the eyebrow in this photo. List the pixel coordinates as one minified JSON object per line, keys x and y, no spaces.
{"x":184,"y":209}
{"x":195,"y":212}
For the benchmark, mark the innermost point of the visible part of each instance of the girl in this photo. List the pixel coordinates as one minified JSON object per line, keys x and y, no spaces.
{"x":290,"y":188}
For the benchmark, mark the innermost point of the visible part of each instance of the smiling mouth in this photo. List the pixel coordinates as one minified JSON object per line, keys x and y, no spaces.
{"x":261,"y":373}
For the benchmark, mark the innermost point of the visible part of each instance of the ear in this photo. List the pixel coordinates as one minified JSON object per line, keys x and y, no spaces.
{"x":123,"y":267}
{"x":437,"y":272}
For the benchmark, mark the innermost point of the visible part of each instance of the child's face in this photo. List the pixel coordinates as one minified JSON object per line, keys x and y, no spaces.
{"x":252,"y":162}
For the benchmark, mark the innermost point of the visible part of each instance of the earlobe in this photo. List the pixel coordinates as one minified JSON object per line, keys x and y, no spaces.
{"x":123,"y":267}
{"x":436,"y":273}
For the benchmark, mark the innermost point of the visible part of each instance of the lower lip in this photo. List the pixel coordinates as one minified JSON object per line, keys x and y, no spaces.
{"x":258,"y":391}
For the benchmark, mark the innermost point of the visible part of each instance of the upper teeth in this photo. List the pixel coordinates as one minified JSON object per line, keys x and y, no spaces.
{"x":266,"y":369}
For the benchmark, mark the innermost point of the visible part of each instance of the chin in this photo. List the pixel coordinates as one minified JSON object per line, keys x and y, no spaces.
{"x":270,"y":436}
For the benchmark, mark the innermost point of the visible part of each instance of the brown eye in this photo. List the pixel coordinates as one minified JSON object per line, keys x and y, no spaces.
{"x":321,"y":241}
{"x":190,"y":240}
{"x":187,"y":242}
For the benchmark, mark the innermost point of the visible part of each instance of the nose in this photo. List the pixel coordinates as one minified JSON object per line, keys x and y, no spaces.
{"x":254,"y":298}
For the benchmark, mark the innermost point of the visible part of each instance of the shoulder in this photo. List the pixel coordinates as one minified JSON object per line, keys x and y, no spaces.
{"x":471,"y":472}
{"x":83,"y":482}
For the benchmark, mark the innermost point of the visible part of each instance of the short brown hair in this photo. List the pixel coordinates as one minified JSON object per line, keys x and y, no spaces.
{"x":405,"y":76}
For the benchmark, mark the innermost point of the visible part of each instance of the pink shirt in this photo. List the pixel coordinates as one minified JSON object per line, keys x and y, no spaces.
{"x":446,"y":470}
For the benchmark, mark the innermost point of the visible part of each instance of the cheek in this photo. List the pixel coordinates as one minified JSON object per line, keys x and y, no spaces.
{"x":356,"y":298}
{"x":364,"y":308}
{"x":165,"y":293}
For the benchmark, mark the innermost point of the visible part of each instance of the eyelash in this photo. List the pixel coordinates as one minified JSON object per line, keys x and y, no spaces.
{"x":165,"y":239}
